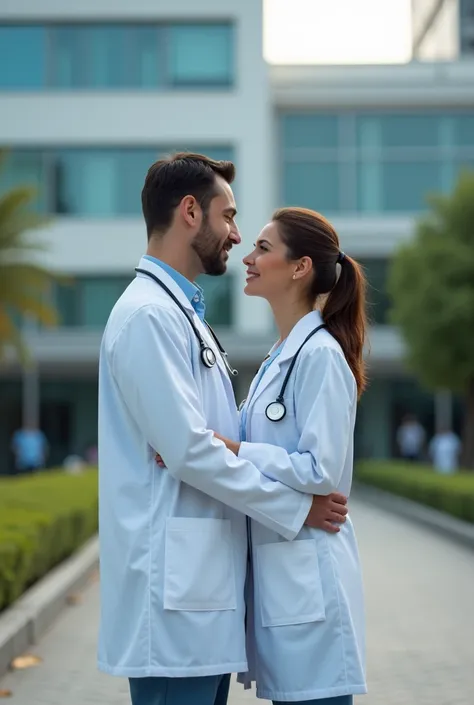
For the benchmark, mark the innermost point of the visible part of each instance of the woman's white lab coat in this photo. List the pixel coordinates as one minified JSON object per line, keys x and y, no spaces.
{"x":306,"y":631}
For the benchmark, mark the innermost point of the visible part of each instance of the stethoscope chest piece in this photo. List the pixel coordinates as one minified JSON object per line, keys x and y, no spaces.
{"x":208,"y":357}
{"x":275,"y":411}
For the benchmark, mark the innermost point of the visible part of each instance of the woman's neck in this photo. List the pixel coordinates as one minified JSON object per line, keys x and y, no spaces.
{"x":287,"y":314}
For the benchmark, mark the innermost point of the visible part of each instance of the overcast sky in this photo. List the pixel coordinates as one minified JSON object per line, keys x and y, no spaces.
{"x":337,"y":31}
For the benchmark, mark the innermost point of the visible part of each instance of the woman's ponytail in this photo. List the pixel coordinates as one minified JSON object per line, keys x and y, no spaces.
{"x":344,"y":314}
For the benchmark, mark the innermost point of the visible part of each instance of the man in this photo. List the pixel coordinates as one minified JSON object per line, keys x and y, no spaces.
{"x":411,"y":438}
{"x":30,"y":448}
{"x":444,"y":450}
{"x":174,"y":541}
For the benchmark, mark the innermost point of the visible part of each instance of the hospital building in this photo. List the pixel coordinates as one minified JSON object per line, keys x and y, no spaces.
{"x":92,"y":93}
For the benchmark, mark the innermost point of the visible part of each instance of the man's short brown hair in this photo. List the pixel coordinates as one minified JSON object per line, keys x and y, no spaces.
{"x":182,"y":174}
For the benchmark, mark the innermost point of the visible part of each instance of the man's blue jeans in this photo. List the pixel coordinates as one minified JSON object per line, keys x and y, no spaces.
{"x":204,"y":690}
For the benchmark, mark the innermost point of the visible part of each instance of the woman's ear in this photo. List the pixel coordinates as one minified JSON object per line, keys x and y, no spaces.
{"x":303,"y":267}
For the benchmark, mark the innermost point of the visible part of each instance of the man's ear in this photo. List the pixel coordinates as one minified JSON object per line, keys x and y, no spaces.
{"x":190,"y":211}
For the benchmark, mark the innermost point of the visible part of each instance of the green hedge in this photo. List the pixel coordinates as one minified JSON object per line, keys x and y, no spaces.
{"x":453,"y":494}
{"x":44,"y":518}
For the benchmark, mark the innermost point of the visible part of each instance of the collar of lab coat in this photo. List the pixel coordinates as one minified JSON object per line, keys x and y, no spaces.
{"x":297,"y":335}
{"x":167,"y":280}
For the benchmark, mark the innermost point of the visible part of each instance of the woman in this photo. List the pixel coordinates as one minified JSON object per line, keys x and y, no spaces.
{"x":306,"y":623}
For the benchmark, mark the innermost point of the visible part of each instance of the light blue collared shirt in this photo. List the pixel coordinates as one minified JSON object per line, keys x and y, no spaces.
{"x":265,"y":365}
{"x":193,"y":292}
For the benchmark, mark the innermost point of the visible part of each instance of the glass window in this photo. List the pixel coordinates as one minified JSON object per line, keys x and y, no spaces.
{"x":307,"y":130}
{"x":98,"y":297}
{"x":88,"y":301}
{"x":132,"y":167}
{"x":105,"y":56}
{"x":201,"y":55}
{"x":312,"y":185}
{"x":464,"y":130}
{"x":398,"y":130}
{"x":108,"y":182}
{"x":22,"y":57}
{"x":400,"y":186}
{"x":145,"y":62}
{"x":66,"y":302}
{"x":25,"y":168}
{"x":86,"y":182}
{"x":218,"y":297}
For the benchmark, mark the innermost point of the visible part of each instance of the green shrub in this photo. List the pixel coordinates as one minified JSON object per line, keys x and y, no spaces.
{"x":453,"y":494}
{"x":44,"y":518}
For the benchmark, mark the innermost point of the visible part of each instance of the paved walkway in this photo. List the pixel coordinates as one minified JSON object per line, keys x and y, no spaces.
{"x":420,"y":597}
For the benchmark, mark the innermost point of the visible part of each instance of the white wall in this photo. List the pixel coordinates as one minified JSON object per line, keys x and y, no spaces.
{"x":414,"y":85}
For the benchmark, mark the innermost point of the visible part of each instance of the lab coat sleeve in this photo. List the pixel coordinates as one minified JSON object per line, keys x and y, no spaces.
{"x":325,"y":396}
{"x":152,"y":366}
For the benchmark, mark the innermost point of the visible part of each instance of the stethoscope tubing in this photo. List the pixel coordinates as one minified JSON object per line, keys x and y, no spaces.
{"x":208,"y":357}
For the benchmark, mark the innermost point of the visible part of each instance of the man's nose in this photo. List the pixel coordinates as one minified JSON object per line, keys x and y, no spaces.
{"x":235,"y":237}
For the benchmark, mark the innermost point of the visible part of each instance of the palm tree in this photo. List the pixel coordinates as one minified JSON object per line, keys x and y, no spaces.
{"x":24,"y":285}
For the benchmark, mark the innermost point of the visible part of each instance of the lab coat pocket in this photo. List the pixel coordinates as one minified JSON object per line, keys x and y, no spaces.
{"x":290,"y":590}
{"x":199,"y":565}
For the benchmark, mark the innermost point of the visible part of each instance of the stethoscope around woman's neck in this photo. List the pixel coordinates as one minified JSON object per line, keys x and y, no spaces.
{"x":208,"y":357}
{"x":276,"y":410}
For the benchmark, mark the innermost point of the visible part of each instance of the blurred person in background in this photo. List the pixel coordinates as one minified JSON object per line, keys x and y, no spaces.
{"x":444,"y":450}
{"x":174,"y":543}
{"x":306,"y":626}
{"x":30,"y":449}
{"x":411,"y":438}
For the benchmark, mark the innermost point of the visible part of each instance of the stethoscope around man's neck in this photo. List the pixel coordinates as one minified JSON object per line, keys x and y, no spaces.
{"x":208,"y":357}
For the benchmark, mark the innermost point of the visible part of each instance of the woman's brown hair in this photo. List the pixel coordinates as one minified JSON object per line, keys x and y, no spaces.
{"x":308,"y":234}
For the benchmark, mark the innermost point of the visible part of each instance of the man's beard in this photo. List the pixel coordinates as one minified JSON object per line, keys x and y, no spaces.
{"x":207,"y":246}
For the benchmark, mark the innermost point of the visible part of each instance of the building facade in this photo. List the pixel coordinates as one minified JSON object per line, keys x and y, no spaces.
{"x":91,"y":97}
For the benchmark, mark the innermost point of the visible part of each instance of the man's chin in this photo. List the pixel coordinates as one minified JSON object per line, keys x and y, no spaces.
{"x":217,"y":271}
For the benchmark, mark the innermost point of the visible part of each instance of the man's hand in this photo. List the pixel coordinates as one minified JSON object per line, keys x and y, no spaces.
{"x":234,"y":446}
{"x":327,"y":512}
